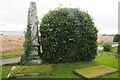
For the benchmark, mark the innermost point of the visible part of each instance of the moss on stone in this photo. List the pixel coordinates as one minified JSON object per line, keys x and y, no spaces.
{"x":95,"y":71}
{"x":31,"y":69}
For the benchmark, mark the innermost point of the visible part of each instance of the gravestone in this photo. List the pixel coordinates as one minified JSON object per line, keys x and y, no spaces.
{"x":31,"y":54}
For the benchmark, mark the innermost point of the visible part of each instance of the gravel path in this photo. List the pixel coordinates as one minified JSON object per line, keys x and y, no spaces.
{"x":10,"y":60}
{"x":15,"y":60}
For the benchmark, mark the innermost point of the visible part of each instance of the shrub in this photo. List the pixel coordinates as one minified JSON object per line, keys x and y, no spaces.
{"x":68,"y":35}
{"x":116,"y":38}
{"x":27,"y":46}
{"x":107,"y":47}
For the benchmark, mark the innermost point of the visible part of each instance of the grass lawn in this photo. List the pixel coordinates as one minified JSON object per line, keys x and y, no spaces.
{"x":101,"y":44}
{"x":66,"y":70}
{"x":0,"y":55}
{"x":11,"y":54}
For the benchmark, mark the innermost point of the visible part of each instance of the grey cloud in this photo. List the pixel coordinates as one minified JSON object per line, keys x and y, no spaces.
{"x":13,"y":13}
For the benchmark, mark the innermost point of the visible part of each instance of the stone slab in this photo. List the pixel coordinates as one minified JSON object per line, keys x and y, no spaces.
{"x":95,"y":71}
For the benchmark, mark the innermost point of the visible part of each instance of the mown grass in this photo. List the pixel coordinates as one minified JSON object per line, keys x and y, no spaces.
{"x":66,"y":70}
{"x":0,"y":55}
{"x":5,"y":71}
{"x":11,"y":54}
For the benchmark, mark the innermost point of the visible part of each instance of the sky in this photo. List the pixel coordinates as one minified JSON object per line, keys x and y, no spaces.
{"x":13,"y":13}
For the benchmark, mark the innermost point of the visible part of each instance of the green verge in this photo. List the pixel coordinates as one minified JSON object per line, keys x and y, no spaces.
{"x":0,"y":55}
{"x":66,"y":70}
{"x":5,"y":71}
{"x":11,"y":55}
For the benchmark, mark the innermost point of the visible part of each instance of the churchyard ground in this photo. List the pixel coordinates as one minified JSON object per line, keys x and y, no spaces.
{"x":66,"y":70}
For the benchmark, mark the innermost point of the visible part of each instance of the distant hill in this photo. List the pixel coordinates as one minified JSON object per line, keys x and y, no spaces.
{"x":11,"y":33}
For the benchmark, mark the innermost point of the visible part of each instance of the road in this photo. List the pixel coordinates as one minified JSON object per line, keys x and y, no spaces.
{"x":15,"y":60}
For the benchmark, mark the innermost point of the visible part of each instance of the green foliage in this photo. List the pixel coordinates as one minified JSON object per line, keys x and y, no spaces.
{"x":107,"y":47}
{"x":68,"y":35}
{"x":116,"y":38}
{"x":27,"y":46}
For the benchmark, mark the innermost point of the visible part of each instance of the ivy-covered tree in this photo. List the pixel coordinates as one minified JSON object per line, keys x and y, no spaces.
{"x":68,"y":35}
{"x":27,"y":46}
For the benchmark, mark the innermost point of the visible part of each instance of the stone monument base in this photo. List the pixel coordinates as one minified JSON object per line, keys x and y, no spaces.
{"x":35,"y":62}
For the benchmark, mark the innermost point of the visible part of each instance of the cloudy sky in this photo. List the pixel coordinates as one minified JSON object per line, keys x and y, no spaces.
{"x":13,"y":13}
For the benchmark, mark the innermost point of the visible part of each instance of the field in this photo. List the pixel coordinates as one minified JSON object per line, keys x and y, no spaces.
{"x":105,"y":39}
{"x":11,"y":43}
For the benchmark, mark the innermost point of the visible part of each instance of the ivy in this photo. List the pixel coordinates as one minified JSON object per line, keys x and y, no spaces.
{"x":27,"y":46}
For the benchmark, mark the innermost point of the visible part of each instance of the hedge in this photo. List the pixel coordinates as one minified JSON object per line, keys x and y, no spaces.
{"x":68,"y":35}
{"x":116,"y":38}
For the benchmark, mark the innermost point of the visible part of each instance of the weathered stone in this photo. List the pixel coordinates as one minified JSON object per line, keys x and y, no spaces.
{"x":33,"y":56}
{"x":33,"y":20}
